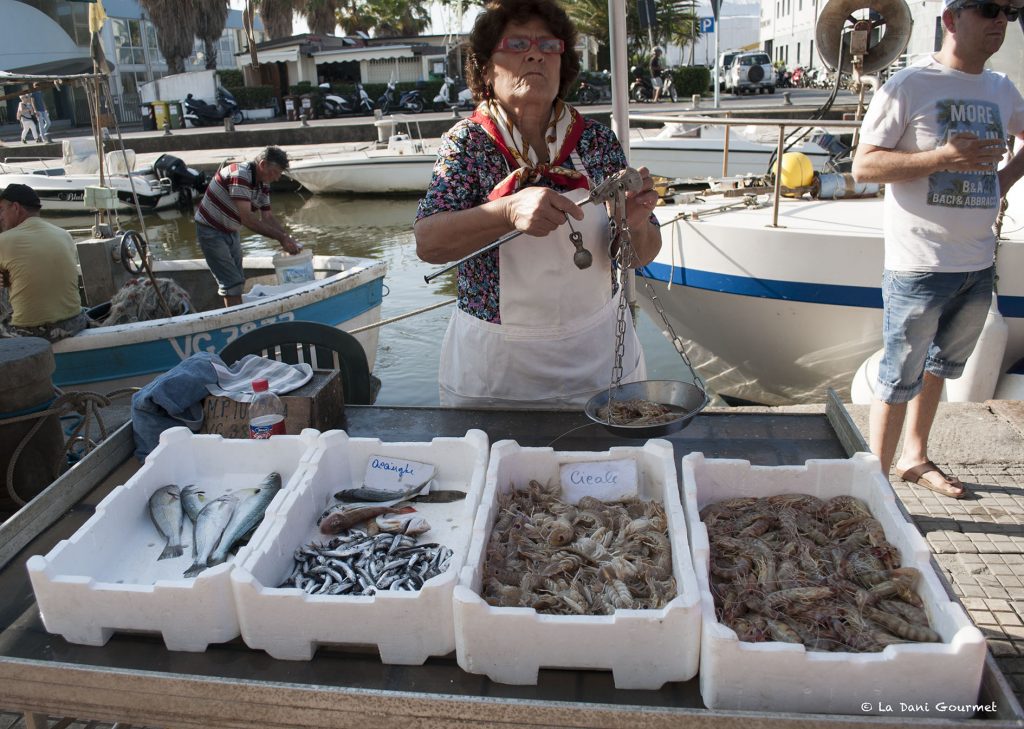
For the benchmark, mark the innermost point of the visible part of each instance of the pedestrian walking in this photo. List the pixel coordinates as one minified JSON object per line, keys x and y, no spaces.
{"x":26,"y":114}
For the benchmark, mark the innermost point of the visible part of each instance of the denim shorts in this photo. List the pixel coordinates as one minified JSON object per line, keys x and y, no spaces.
{"x":223,"y":252}
{"x":931,"y":323}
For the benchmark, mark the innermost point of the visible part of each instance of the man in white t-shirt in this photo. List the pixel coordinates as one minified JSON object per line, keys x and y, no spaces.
{"x":935,"y":133}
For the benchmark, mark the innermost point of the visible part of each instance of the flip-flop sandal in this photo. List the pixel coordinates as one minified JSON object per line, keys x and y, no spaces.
{"x":952,"y":488}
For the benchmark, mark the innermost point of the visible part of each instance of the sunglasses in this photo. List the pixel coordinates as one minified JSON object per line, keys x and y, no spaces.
{"x":992,"y":10}
{"x":521,"y":44}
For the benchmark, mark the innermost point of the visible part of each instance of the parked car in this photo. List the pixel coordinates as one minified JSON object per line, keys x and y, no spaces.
{"x":725,"y":63}
{"x":751,"y":72}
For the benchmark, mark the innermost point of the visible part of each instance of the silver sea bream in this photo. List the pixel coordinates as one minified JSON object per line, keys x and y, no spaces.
{"x":209,"y":527}
{"x":165,"y":510}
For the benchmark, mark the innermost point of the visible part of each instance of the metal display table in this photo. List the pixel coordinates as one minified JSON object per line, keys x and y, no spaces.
{"x":135,"y":679}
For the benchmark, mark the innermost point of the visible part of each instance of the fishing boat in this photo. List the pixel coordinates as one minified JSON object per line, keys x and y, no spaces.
{"x":346,"y":293}
{"x":403,"y":165}
{"x":63,"y":188}
{"x":696,"y":151}
{"x":782,"y":301}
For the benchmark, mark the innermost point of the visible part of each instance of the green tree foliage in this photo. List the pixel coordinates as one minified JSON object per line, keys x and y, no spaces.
{"x":384,"y":18}
{"x":211,"y":16}
{"x":175,"y":23}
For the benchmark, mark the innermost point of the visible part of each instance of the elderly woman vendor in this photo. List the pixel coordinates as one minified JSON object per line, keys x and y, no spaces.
{"x":531,"y":329}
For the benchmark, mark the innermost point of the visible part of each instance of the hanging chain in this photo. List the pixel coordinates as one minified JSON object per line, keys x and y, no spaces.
{"x":624,"y":258}
{"x":676,"y":341}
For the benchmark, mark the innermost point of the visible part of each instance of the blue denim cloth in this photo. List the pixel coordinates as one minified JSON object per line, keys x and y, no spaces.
{"x":223,"y":252}
{"x":173,"y":399}
{"x":931,"y":323}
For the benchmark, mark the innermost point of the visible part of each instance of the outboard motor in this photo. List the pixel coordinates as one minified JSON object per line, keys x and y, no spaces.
{"x":186,"y":180}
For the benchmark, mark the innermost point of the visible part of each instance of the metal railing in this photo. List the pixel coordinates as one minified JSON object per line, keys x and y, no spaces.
{"x":728,"y":121}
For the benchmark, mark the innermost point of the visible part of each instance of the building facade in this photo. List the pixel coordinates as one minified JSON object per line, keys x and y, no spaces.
{"x":52,"y":37}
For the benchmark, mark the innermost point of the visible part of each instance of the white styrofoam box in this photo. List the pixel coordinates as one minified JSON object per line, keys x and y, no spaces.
{"x":920,"y":679}
{"x":643,"y":648}
{"x":107,"y":577}
{"x":406,"y":627}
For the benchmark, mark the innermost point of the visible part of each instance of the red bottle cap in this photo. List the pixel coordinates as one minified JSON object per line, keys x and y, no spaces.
{"x":260,"y":385}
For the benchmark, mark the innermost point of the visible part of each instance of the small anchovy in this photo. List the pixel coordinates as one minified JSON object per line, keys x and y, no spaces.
{"x":365,"y":494}
{"x":355,"y":563}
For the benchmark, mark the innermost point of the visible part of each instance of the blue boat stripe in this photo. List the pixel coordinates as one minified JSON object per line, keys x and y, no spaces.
{"x":155,"y":357}
{"x":811,"y":293}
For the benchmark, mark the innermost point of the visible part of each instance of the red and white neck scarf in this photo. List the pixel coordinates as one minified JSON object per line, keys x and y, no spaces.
{"x":563,"y":132}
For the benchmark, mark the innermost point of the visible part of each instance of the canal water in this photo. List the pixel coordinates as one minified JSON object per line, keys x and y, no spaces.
{"x":409,"y":350}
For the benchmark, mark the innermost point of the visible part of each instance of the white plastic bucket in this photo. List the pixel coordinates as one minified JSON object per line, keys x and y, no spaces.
{"x":294,"y":269}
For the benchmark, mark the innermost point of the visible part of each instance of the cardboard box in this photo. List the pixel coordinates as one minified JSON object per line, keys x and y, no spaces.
{"x":317,"y":404}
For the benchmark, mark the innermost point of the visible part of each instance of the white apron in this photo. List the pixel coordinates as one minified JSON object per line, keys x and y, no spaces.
{"x":555,"y":345}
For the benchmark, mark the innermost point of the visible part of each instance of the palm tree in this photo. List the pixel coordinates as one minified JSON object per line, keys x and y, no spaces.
{"x":210,"y":20}
{"x":400,"y":17}
{"x":353,"y":16}
{"x":277,"y":17}
{"x":175,"y":23}
{"x":321,"y":16}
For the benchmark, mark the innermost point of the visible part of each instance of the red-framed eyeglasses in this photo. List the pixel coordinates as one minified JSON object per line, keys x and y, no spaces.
{"x":521,"y":44}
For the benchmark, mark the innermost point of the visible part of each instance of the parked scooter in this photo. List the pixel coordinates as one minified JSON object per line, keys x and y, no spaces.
{"x":409,"y":100}
{"x":641,"y":89}
{"x":199,"y":113}
{"x":335,"y":105}
{"x":668,"y":86}
{"x":453,"y":95}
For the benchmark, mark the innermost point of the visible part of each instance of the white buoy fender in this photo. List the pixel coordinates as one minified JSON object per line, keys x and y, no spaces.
{"x":1011,"y":384}
{"x":981,"y":373}
{"x":862,"y":389}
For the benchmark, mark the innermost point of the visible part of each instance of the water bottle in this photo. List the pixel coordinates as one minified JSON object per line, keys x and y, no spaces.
{"x":266,"y":412}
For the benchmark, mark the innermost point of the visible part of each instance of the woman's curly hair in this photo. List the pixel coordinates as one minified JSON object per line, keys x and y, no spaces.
{"x":490,"y":26}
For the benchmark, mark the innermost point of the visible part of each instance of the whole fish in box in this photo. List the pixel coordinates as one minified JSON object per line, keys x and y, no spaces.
{"x":247,"y":515}
{"x":340,"y":517}
{"x":412,"y":524}
{"x":165,"y":510}
{"x":193,"y":499}
{"x":365,"y":494}
{"x":209,"y":527}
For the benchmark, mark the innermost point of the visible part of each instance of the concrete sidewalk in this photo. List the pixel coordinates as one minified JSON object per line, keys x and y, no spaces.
{"x":978,"y":540}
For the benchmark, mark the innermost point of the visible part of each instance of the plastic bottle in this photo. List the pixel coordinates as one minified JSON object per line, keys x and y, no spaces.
{"x":266,"y":412}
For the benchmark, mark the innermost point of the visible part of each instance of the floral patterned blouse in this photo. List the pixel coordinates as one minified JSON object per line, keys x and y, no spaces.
{"x":469,"y":166}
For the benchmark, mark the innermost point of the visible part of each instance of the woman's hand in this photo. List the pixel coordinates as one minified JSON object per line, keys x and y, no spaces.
{"x":538,"y":210}
{"x":640,"y":204}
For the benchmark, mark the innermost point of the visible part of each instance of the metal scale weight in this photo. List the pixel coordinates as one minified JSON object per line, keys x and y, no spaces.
{"x":684,"y":399}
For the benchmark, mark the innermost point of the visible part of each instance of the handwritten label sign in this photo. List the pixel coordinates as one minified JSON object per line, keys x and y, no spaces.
{"x":396,"y":474}
{"x":604,"y":480}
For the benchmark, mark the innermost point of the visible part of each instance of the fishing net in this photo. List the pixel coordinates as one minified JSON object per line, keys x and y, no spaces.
{"x":138,"y":301}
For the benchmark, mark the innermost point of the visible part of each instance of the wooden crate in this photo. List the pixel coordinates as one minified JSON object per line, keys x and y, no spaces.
{"x":317,"y":404}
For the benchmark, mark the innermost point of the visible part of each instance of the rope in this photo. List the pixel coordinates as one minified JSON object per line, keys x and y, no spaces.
{"x":85,"y":404}
{"x":406,"y":315}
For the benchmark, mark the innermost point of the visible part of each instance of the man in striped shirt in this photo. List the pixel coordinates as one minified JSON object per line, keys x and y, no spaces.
{"x":238,"y":195}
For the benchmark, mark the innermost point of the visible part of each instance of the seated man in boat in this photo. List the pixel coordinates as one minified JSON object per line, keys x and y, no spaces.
{"x":238,"y":195}
{"x":935,"y":133}
{"x":38,"y":263}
